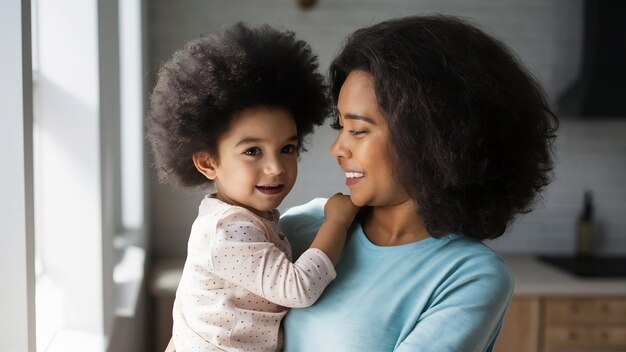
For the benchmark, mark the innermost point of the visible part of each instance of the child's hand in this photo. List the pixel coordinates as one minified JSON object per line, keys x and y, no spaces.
{"x":339,"y":212}
{"x":339,"y":209}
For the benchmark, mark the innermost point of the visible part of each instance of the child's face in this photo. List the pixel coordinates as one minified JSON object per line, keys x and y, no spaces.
{"x":362,"y":147}
{"x":257,"y":164}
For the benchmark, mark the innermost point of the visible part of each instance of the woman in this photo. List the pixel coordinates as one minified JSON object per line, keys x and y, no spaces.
{"x":444,"y":138}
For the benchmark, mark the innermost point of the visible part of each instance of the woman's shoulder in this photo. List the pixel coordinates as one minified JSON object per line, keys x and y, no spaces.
{"x":301,"y":223}
{"x":311,"y":213}
{"x":472,"y":258}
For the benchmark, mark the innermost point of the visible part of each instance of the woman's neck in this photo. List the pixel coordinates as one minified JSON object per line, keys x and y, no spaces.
{"x":394,"y":225}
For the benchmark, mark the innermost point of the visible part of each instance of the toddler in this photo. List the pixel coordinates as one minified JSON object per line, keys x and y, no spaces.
{"x":232,"y":110}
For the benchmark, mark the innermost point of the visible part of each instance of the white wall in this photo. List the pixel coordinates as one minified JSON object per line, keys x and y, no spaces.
{"x":590,"y":155}
{"x":546,"y":35}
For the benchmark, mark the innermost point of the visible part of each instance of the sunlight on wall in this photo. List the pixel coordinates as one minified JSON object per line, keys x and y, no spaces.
{"x":67,"y":168}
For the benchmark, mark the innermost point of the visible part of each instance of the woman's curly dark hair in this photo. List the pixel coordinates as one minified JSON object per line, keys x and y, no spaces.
{"x":472,"y":130}
{"x":217,"y":75}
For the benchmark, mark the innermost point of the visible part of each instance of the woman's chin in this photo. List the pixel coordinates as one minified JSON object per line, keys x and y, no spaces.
{"x":359,"y":202}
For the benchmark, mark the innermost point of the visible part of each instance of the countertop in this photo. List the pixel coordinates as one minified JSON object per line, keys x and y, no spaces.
{"x":534,"y":277}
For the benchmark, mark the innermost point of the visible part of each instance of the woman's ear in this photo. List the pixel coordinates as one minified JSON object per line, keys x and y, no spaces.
{"x":205,"y":164}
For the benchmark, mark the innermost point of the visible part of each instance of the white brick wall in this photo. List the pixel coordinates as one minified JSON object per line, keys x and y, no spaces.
{"x":545,"y":34}
{"x":590,"y":155}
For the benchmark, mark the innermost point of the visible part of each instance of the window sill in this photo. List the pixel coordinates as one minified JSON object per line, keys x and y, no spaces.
{"x":72,"y":340}
{"x":128,"y":277}
{"x":129,"y":272}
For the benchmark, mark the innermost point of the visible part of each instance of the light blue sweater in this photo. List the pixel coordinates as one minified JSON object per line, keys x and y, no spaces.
{"x":447,"y":294}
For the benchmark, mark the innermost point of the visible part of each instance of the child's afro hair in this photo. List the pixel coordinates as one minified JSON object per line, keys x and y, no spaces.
{"x":204,"y":84}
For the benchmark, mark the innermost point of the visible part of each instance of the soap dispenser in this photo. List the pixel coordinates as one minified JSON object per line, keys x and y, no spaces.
{"x":585,"y":228}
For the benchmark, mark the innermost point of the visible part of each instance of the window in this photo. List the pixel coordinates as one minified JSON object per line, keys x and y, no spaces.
{"x":88,"y":169}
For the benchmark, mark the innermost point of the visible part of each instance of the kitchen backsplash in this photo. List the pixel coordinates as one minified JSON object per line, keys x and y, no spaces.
{"x":591,"y":155}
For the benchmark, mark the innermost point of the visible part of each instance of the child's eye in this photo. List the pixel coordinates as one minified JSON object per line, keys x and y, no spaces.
{"x":252,"y":151}
{"x":288,"y":149}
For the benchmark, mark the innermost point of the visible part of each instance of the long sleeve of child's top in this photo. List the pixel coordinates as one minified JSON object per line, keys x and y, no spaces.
{"x":237,"y":280}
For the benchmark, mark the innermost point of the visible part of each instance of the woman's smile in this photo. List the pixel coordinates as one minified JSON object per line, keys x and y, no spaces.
{"x":353,"y":178}
{"x":362,"y":146}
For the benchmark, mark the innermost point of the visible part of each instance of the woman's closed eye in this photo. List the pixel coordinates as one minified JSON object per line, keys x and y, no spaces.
{"x":357,"y":132}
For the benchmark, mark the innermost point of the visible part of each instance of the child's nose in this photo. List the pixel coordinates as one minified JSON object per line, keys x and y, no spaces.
{"x":274,"y":166}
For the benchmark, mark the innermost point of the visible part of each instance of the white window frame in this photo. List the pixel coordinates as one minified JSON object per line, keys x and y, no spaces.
{"x":108,"y":246}
{"x":17,"y":326}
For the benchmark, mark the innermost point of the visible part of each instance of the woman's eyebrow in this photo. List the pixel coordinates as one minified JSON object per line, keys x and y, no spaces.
{"x":359,"y":117}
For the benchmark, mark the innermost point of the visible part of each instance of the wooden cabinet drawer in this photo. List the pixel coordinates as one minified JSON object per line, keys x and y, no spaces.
{"x":520,"y":331}
{"x":585,"y":339}
{"x":568,"y":311}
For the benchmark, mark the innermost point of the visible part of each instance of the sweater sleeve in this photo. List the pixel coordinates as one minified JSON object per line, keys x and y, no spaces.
{"x":242,"y":255}
{"x":301,"y":223}
{"x":466,"y":314}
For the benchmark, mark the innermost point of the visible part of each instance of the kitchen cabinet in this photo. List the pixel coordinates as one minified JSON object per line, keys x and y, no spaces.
{"x":553,"y":311}
{"x":521,"y":328}
{"x":560,"y":324}
{"x":585,"y":324}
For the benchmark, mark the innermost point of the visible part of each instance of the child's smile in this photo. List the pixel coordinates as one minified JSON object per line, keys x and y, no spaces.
{"x":271,"y":189}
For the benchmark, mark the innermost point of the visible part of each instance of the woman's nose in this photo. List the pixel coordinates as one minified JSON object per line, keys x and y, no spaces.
{"x":339,"y":149}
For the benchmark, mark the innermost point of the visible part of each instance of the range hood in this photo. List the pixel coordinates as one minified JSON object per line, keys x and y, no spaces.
{"x":601,"y":87}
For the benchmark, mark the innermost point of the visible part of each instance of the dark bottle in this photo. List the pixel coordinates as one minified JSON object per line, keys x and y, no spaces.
{"x":585,"y":229}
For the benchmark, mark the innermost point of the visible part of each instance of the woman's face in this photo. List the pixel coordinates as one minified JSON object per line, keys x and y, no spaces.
{"x":362,"y":147}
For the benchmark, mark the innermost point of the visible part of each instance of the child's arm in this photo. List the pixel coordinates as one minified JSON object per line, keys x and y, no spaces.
{"x":339,"y":212}
{"x":241,"y":255}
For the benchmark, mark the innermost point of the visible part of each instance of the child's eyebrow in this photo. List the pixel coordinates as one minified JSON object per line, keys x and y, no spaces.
{"x":248,"y":140}
{"x":252,"y":140}
{"x":359,"y":117}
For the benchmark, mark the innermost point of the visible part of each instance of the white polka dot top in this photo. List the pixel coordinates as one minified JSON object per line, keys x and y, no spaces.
{"x":237,"y":280}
